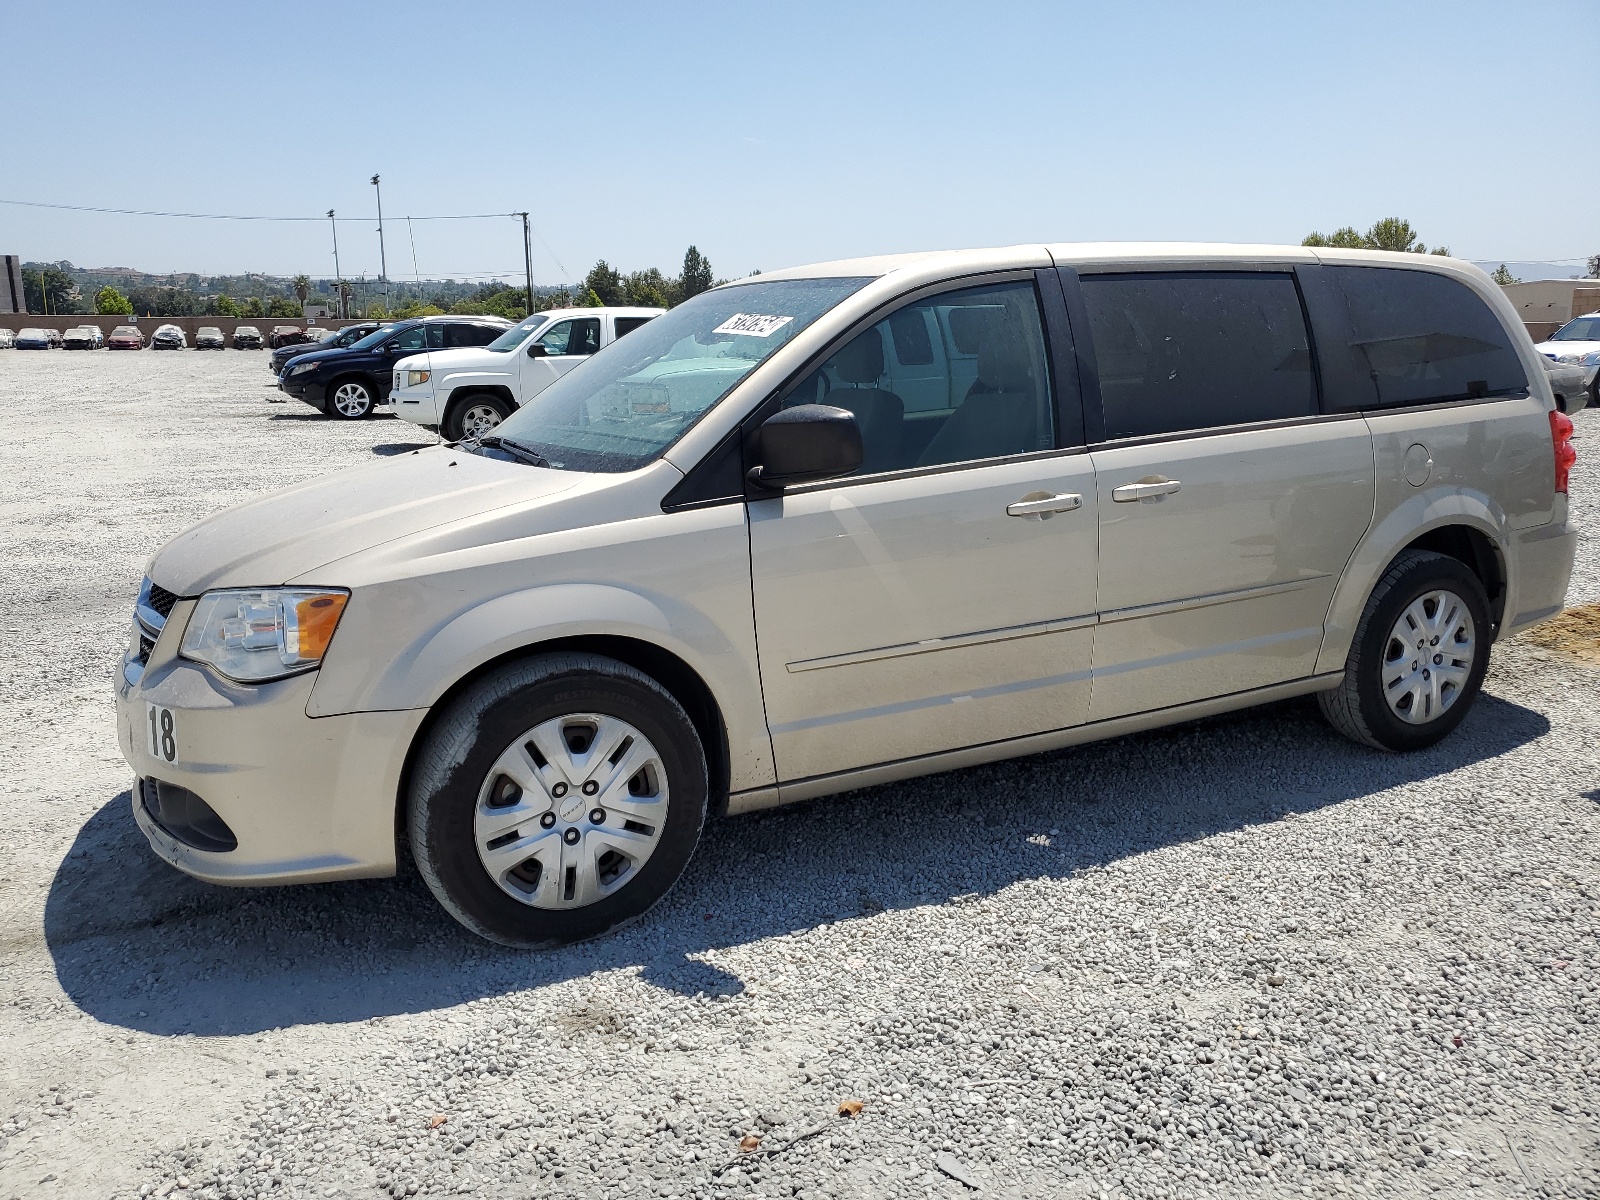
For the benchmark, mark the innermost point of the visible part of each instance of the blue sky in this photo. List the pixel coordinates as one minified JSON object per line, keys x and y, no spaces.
{"x":774,"y":134}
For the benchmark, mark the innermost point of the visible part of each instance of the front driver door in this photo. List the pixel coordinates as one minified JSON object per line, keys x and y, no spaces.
{"x":947,"y":599}
{"x":556,"y":351}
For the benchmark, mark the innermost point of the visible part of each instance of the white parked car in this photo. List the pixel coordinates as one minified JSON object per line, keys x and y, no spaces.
{"x":1577,"y":344}
{"x":845,"y":524}
{"x":8,"y":338}
{"x":468,"y":392}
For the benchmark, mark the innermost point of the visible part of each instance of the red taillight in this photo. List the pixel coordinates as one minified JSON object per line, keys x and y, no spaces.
{"x":1561,"y":442}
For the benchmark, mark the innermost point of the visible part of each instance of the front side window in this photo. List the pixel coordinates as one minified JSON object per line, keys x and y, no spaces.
{"x":414,"y":338}
{"x":581,"y":335}
{"x":953,"y":378}
{"x":624,"y":406}
{"x":1423,"y":337}
{"x":1582,"y":329}
{"x":1198,"y":350}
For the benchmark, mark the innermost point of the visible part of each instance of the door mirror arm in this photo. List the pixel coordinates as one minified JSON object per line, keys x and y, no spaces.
{"x":806,"y":444}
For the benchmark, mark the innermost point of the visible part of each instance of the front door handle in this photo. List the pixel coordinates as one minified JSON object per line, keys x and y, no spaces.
{"x":1044,"y":504}
{"x":1147,"y":488}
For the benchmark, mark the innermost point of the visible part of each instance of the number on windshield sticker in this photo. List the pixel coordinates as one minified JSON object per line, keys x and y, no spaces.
{"x":161,"y":730}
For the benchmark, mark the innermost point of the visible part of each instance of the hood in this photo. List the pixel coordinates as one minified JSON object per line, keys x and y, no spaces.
{"x":461,"y":356}
{"x":1563,"y":349}
{"x":310,"y":351}
{"x":285,"y":537}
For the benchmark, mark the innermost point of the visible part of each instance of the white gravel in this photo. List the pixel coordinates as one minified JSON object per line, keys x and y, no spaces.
{"x":1237,"y":958}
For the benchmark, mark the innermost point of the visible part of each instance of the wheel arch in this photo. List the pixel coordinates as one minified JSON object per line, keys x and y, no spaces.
{"x":682,"y":682}
{"x":460,"y":394}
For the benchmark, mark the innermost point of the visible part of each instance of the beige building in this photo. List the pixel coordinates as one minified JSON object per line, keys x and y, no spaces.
{"x":1547,"y":304}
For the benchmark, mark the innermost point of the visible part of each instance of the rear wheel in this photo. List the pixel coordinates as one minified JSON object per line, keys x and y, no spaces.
{"x":350,"y":400}
{"x":556,"y":799}
{"x":474,"y":415}
{"x":1419,"y":655}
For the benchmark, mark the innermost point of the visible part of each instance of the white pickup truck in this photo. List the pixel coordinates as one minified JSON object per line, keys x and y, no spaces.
{"x":469,"y":391}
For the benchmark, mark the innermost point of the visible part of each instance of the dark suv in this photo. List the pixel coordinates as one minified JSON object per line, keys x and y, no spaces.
{"x":348,"y":336}
{"x":349,"y":381}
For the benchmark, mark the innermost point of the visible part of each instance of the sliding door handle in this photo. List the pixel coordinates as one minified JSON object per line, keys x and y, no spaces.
{"x":1148,"y":488}
{"x":1044,"y":504}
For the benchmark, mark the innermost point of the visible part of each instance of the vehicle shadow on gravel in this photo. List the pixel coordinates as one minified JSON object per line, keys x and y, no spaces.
{"x":139,"y":945}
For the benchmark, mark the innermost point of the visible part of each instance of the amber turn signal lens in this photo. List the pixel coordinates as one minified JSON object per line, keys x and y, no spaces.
{"x":317,"y":617}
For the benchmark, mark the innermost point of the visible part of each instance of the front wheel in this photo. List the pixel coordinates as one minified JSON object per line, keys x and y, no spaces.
{"x":473,"y":416}
{"x":1419,"y":655}
{"x":557,"y":799}
{"x":350,"y":400}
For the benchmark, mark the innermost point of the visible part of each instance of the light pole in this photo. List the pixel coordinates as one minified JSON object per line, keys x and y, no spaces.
{"x":383,"y":261}
{"x":527,"y":259}
{"x":338,"y":279}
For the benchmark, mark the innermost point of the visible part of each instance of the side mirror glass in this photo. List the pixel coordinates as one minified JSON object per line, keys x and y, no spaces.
{"x":807,"y":443}
{"x":537,"y":350}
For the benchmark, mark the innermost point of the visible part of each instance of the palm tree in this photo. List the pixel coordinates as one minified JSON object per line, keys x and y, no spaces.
{"x":302,"y":288}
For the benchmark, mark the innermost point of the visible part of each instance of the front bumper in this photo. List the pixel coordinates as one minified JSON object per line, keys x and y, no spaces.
{"x":419,"y":404}
{"x":305,"y":387}
{"x":308,"y":799}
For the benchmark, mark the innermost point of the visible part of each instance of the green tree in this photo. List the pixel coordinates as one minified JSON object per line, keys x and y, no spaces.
{"x":109,"y":300}
{"x":648,"y":289}
{"x":302,"y":289}
{"x":250,"y":306}
{"x":225,"y":306}
{"x":696,"y":277}
{"x":605,"y":283}
{"x":50,"y":290}
{"x":282,"y":306}
{"x":1504,"y":277}
{"x":1391,"y":233}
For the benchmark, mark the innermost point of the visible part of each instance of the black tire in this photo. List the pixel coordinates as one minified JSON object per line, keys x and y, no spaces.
{"x":1358,"y":707}
{"x":360,"y":404}
{"x":453,"y":768}
{"x":453,"y":426}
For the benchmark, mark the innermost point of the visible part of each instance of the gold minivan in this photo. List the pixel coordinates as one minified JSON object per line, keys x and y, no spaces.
{"x":844,"y":524}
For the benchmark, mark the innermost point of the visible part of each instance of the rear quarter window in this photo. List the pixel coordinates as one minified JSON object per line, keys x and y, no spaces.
{"x":1422,"y":338}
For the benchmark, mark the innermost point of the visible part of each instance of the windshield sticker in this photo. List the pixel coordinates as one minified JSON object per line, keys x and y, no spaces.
{"x":752,"y":325}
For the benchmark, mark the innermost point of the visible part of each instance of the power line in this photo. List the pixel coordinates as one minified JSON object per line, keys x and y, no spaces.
{"x":139,"y":212}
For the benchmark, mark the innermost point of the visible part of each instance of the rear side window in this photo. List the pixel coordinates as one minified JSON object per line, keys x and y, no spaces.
{"x":629,"y":324}
{"x":469,"y":334}
{"x":1198,"y":350}
{"x":1422,"y":337}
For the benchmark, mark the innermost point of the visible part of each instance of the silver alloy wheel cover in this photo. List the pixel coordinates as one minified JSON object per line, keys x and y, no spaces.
{"x":351,"y":399}
{"x":478,"y":419}
{"x":533,"y":822}
{"x":1428,"y":657}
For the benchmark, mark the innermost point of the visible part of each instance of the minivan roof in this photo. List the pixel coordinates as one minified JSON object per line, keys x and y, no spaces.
{"x":1097,"y":253}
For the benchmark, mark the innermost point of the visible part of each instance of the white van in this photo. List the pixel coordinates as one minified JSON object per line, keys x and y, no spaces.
{"x":468,"y":392}
{"x":845,"y":524}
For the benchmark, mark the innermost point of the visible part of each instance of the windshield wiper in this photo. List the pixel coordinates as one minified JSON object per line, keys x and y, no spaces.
{"x":516,"y":449}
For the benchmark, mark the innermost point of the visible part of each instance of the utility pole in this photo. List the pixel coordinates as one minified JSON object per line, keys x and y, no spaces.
{"x":527,"y":259}
{"x":383,"y":261}
{"x":338,"y":279}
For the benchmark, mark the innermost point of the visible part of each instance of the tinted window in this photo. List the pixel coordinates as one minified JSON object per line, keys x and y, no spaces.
{"x":1198,"y":350}
{"x":581,"y":335}
{"x":410,"y":339}
{"x":1422,"y":337}
{"x":435,"y":336}
{"x":629,"y":324}
{"x":469,"y":334}
{"x":953,"y":378}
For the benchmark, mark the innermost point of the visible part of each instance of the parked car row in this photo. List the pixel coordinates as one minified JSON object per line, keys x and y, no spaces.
{"x":171,"y":337}
{"x":1574,"y":354}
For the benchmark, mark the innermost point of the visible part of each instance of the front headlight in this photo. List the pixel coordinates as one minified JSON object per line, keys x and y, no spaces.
{"x":416,"y":378}
{"x":253,"y":635}
{"x":303,"y":368}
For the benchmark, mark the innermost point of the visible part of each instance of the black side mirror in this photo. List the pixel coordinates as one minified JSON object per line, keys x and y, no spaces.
{"x":537,"y":350}
{"x":805,"y":444}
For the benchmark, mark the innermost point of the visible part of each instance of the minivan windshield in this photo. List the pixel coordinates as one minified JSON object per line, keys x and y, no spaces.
{"x":624,"y":406}
{"x":1583,"y":329}
{"x":517,"y":334}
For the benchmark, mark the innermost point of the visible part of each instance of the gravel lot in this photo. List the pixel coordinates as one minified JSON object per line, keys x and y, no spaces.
{"x":1236,"y":958}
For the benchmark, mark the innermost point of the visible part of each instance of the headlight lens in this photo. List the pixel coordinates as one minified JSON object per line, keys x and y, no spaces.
{"x":253,"y":635}
{"x":416,"y":378}
{"x":1570,"y":359}
{"x":303,"y":368}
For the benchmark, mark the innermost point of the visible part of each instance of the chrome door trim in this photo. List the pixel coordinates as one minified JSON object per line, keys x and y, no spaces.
{"x":945,"y":643}
{"x":1038,"y":743}
{"x":1171,"y":606}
